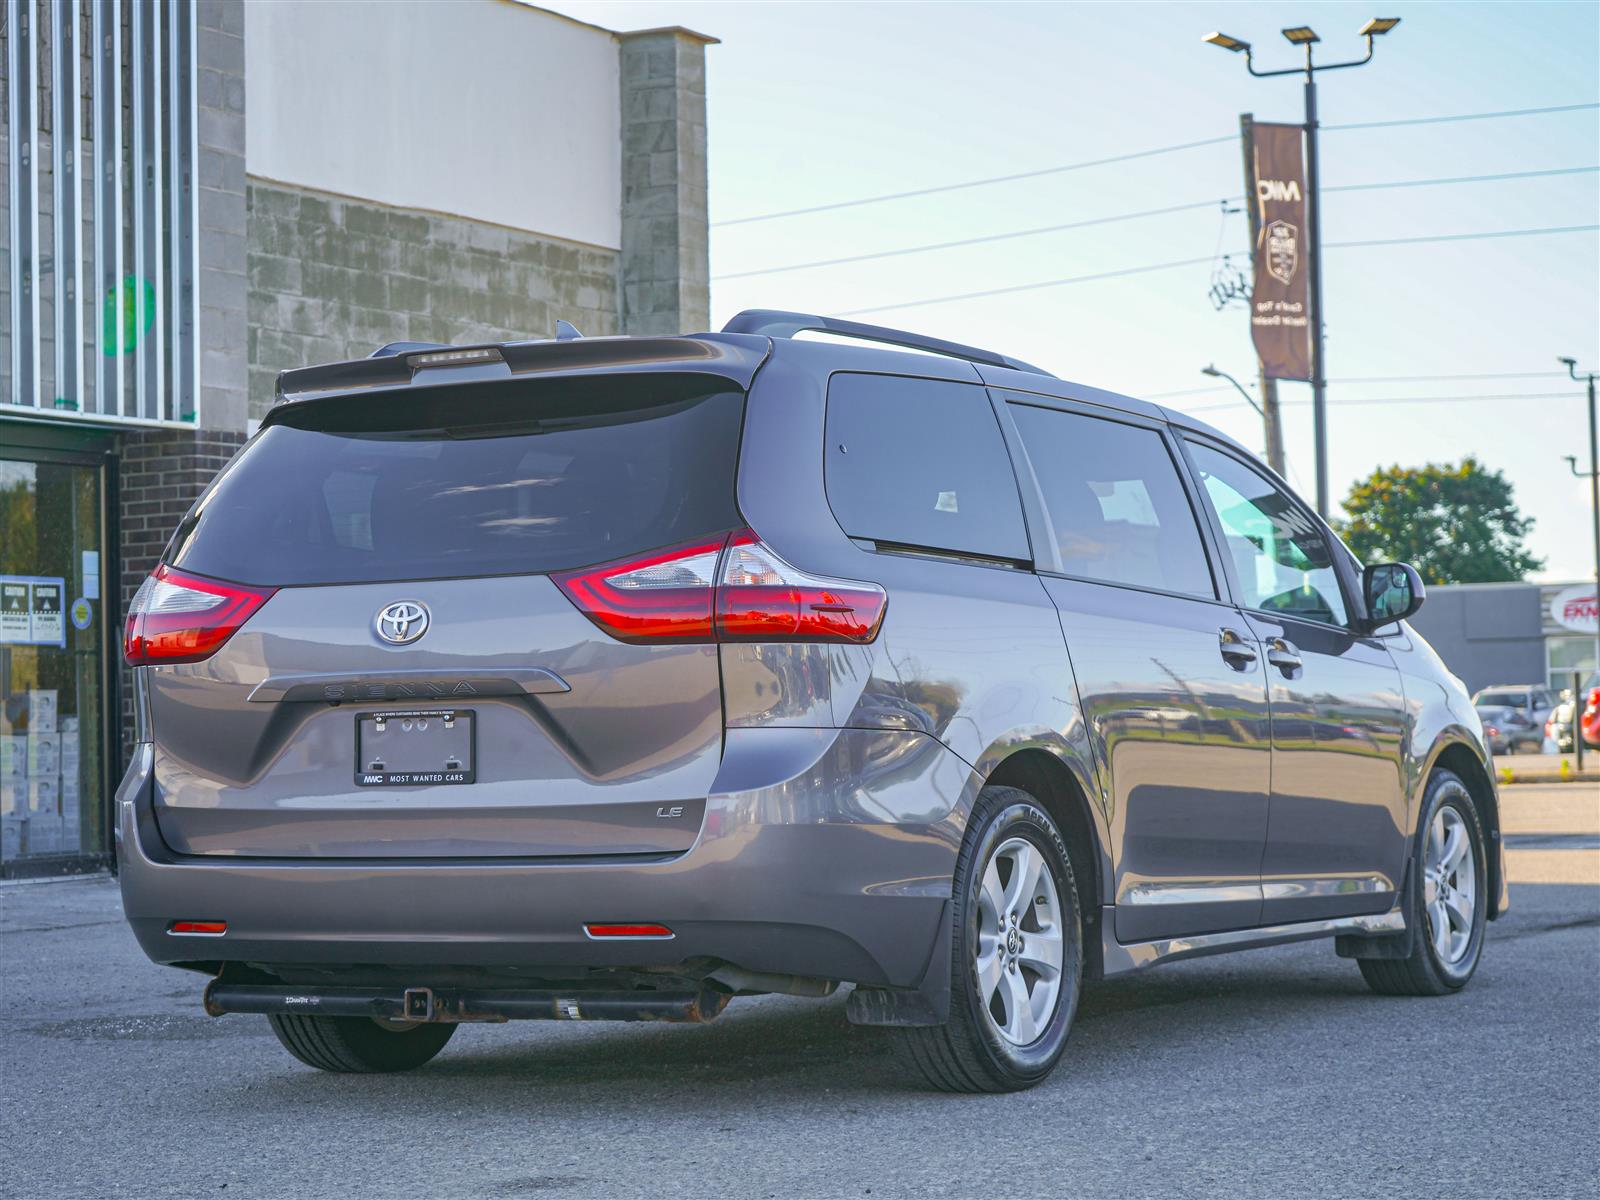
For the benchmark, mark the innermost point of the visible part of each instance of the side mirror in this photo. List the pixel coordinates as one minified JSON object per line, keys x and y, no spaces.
{"x":1393,"y":592}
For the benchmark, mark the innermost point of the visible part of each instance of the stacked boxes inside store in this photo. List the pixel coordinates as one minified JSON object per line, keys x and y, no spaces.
{"x":40,"y":784}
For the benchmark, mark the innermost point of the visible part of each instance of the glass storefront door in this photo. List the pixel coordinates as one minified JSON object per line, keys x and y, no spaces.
{"x":55,"y":592}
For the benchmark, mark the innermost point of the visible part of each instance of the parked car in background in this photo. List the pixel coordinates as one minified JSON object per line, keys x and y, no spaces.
{"x":1514,"y":716}
{"x":616,"y":678}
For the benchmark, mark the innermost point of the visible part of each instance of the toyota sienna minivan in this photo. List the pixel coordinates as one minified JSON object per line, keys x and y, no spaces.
{"x":616,"y":678}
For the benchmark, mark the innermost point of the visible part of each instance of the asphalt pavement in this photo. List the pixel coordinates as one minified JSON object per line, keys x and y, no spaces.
{"x":1271,"y":1073}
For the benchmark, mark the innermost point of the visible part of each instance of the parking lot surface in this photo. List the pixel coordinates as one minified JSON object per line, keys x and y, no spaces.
{"x":1271,"y":1073}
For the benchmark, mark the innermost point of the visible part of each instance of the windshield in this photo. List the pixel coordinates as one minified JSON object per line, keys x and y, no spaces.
{"x":518,"y":478}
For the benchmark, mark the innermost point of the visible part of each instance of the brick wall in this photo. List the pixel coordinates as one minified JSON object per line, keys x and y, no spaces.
{"x":161,"y":472}
{"x":335,"y":278}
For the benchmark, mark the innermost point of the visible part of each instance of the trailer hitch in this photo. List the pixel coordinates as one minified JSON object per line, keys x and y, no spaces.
{"x":424,"y":1005}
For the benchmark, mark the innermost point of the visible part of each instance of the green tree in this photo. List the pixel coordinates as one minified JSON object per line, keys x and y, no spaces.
{"x":1456,"y":523}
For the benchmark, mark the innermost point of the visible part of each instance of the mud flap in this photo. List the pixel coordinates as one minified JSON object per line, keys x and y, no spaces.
{"x":926,"y":1004}
{"x":1390,"y":945}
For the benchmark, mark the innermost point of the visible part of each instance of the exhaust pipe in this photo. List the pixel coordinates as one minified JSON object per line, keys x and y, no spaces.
{"x":426,"y":1005}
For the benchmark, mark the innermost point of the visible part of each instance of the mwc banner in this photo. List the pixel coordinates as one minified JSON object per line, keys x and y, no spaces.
{"x":1279,"y":304}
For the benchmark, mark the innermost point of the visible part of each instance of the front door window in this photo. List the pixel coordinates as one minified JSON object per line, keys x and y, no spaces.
{"x":1279,"y":555}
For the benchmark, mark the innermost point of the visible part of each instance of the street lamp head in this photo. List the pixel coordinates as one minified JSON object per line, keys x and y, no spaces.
{"x":1226,"y":42}
{"x":1211,"y":370}
{"x":1379,"y":26}
{"x":1570,"y":362}
{"x":1301,"y":35}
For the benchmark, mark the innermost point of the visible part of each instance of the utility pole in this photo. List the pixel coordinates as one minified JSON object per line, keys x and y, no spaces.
{"x":1319,"y":373}
{"x":1304,"y":35}
{"x":1271,"y":417}
{"x":1594,"y":497}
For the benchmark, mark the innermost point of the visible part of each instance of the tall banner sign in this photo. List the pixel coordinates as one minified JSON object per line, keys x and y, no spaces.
{"x":1280,"y":301}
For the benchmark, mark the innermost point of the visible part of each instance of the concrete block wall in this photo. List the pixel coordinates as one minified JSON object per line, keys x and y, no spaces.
{"x":219,"y":54}
{"x":334,"y":278}
{"x":665,"y":284}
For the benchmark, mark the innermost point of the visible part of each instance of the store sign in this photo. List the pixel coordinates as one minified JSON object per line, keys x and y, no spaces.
{"x":1576,"y":608}
{"x":33,"y":610}
{"x":1280,"y":301}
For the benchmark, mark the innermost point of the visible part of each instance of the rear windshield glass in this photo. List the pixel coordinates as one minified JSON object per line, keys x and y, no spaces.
{"x":1501,"y":699}
{"x":508,"y":479}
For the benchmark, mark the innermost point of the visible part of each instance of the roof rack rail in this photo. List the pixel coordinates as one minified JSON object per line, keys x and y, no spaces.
{"x":776,"y":323}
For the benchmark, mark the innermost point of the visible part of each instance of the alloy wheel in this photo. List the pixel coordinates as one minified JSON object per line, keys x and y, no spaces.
{"x":1019,"y":946}
{"x":1451,"y":885}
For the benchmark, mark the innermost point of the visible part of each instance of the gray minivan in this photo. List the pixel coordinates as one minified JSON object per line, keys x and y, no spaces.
{"x":613,"y":678}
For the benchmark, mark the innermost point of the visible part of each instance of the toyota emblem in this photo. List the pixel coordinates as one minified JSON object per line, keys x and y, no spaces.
{"x":402,"y":622}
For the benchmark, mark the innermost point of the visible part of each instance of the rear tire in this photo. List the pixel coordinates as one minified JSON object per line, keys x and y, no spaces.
{"x":1009,"y":1015}
{"x":358,"y":1045}
{"x":1449,"y":899}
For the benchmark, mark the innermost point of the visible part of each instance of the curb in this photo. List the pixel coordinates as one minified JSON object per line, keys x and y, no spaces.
{"x":1506,"y":775}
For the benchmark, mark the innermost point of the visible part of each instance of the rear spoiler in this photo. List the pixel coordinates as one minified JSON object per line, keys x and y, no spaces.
{"x":403,"y":365}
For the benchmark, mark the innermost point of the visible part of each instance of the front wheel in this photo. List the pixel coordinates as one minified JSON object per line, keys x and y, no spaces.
{"x":1448,"y":904}
{"x":1016,"y":954}
{"x":359,"y":1044}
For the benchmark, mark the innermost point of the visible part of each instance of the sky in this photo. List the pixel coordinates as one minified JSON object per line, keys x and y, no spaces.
{"x":814,"y":104}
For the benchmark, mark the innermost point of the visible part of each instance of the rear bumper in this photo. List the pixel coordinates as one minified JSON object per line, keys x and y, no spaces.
{"x":824,"y":853}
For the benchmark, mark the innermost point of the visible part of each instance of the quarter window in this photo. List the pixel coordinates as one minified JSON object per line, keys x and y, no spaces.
{"x":1116,"y":501}
{"x":1278,"y":552}
{"x":921,"y":462}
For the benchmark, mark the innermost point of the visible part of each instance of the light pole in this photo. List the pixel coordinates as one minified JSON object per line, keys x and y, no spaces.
{"x":1304,"y":35}
{"x":1594,"y":489}
{"x":1274,"y":449}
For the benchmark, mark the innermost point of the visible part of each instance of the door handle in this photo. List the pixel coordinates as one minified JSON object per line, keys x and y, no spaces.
{"x":1236,"y":649}
{"x":1284,"y":655}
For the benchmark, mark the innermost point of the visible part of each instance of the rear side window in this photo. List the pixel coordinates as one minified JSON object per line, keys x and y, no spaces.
{"x":503,"y":479}
{"x":1116,"y":501}
{"x":921,"y":463}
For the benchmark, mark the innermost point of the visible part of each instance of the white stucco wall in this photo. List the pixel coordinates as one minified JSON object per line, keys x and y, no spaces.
{"x":481,"y":108}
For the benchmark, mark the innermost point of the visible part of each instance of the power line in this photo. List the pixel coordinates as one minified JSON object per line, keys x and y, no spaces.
{"x":1360,"y":379}
{"x":1029,"y":287}
{"x":972,"y":183}
{"x":1408,"y":183}
{"x":1463,"y":237}
{"x":1437,"y":378}
{"x":973,"y":241}
{"x":1357,"y":401}
{"x":1190,"y":262}
{"x":1481,"y":116}
{"x":930,"y":247}
{"x":1118,"y":158}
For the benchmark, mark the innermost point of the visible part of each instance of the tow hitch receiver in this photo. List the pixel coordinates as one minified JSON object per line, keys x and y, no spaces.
{"x":423,"y":1004}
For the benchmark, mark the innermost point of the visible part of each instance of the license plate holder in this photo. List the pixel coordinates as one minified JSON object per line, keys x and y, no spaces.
{"x":416,"y":748}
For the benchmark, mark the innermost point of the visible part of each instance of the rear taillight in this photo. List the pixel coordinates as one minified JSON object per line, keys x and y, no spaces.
{"x":731,"y":590}
{"x":664,"y":596}
{"x":176,"y":617}
{"x":761,"y":598}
